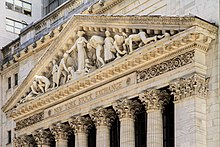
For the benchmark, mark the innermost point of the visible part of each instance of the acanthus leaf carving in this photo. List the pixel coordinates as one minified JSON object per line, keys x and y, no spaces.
{"x":80,"y":124}
{"x":42,"y":137}
{"x":60,"y":131}
{"x":103,"y":116}
{"x":195,"y":84}
{"x":154,"y":99}
{"x":127,"y":108}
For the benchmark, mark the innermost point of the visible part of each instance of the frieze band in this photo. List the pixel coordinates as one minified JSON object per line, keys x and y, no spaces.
{"x":29,"y":121}
{"x":166,"y":66}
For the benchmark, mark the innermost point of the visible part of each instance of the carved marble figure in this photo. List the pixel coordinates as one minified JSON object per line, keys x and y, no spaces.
{"x":119,"y":45}
{"x":34,"y":88}
{"x":43,"y":83}
{"x":142,"y":38}
{"x":54,"y":74}
{"x":97,"y":43}
{"x":62,"y":69}
{"x":71,"y":74}
{"x":89,"y":66}
{"x":80,"y":45}
{"x":109,"y":48}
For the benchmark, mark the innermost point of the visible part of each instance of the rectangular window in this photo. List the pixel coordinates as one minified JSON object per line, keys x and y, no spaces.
{"x":9,"y":136}
{"x":16,"y":79}
{"x":9,"y":83}
{"x":14,"y":25}
{"x":19,"y":6}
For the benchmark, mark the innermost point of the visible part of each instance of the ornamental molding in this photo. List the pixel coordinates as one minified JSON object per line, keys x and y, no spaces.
{"x":23,"y":140}
{"x":29,"y":121}
{"x":42,"y":137}
{"x":127,"y":108}
{"x":166,"y":66}
{"x":154,"y":99}
{"x":102,"y":116}
{"x":193,"y":85}
{"x":60,"y":131}
{"x":80,"y":124}
{"x":193,"y":35}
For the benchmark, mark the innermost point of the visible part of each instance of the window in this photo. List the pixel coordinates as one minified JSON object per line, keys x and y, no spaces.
{"x":9,"y":136}
{"x":14,"y":26}
{"x":19,"y":6}
{"x":9,"y":83}
{"x":16,"y":79}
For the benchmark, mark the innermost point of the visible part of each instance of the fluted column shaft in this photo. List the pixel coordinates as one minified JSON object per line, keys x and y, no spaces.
{"x":127,"y":132}
{"x":126,"y":110}
{"x":80,"y":126}
{"x":103,"y":136}
{"x":43,"y":145}
{"x":154,"y":129}
{"x":60,"y":132}
{"x":102,"y":118}
{"x":62,"y":143}
{"x":154,"y":101}
{"x":81,"y":139}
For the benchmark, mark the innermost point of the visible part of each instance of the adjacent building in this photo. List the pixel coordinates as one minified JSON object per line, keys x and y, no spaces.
{"x":110,"y":73}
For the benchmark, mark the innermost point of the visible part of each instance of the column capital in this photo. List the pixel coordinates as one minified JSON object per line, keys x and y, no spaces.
{"x":127,"y":108}
{"x":154,"y":99}
{"x":42,"y":137}
{"x":195,"y":84}
{"x":80,"y":124}
{"x":23,"y":140}
{"x":102,"y":116}
{"x":60,"y":131}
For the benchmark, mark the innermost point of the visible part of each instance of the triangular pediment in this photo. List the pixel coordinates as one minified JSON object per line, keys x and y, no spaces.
{"x":155,"y":35}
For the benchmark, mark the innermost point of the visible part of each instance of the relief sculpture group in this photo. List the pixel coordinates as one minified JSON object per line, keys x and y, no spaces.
{"x":86,"y":55}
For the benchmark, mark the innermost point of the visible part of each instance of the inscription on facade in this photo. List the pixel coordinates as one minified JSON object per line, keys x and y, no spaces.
{"x":94,"y":94}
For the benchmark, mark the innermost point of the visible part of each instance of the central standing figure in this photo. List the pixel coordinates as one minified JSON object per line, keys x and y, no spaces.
{"x":80,"y":45}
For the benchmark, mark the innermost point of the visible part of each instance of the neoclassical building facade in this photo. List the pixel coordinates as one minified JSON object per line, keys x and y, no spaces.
{"x":102,"y":80}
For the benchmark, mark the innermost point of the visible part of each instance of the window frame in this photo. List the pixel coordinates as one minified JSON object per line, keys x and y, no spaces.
{"x":13,"y":26}
{"x":23,"y":9}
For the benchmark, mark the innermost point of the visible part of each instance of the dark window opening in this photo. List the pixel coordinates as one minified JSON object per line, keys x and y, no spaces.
{"x":168,"y":124}
{"x":9,"y":136}
{"x":92,"y":137}
{"x":9,"y":83}
{"x":141,"y":129}
{"x":16,"y":79}
{"x":115,"y":133}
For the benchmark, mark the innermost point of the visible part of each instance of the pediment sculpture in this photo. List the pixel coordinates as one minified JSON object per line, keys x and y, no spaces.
{"x":89,"y":53}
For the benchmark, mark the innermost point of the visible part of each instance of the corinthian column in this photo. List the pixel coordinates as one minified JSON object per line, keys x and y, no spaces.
{"x":126,"y":110}
{"x":154,"y":100}
{"x":42,"y":138}
{"x":102,"y":118}
{"x":24,"y":141}
{"x":60,"y":131}
{"x":80,"y":126}
{"x":190,"y":110}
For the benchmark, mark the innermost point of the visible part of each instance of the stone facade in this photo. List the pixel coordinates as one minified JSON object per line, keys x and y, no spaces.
{"x":74,"y":86}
